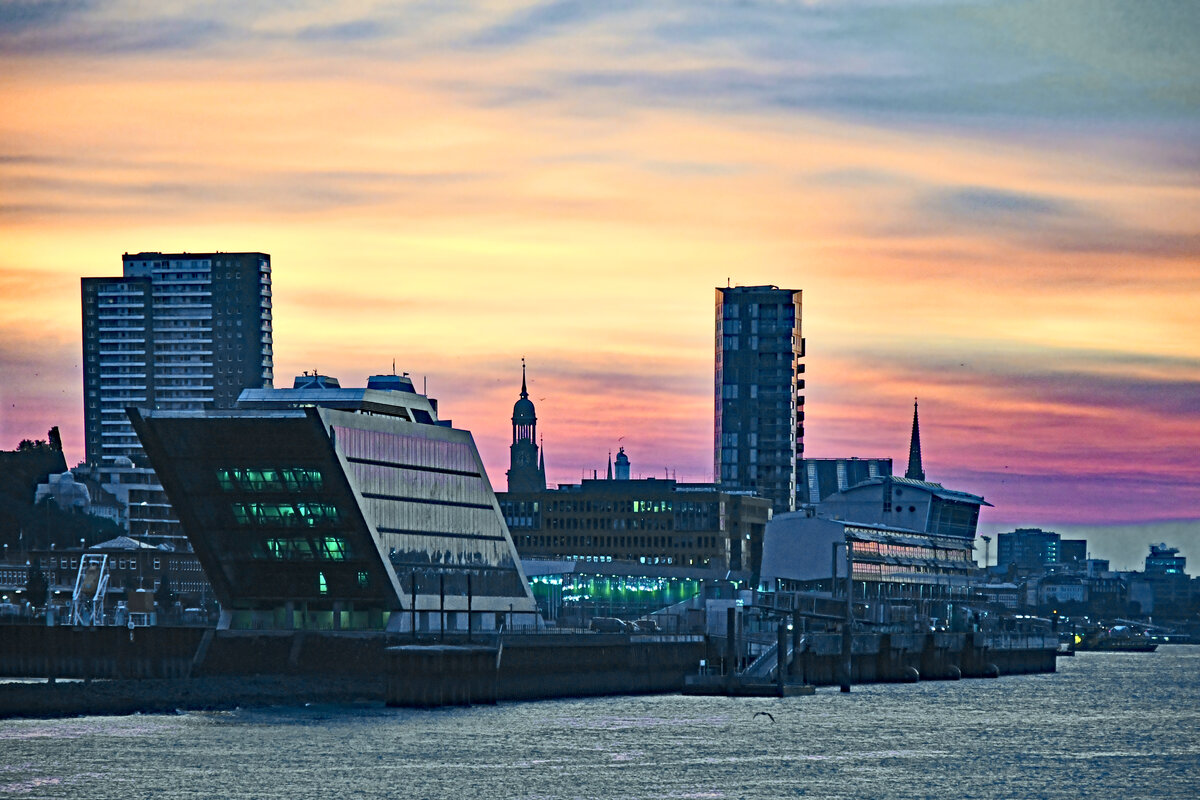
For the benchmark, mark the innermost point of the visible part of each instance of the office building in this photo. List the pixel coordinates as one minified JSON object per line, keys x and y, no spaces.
{"x":1166,"y":573}
{"x":1073,"y":552}
{"x":339,"y":508}
{"x":176,"y":332}
{"x":653,"y":521}
{"x":759,"y":419}
{"x":1028,"y":550}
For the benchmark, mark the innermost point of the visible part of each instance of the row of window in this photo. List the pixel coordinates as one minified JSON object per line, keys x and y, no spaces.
{"x":330,"y":548}
{"x":635,"y":506}
{"x":611,"y":542}
{"x":290,"y":515}
{"x":286,"y":479}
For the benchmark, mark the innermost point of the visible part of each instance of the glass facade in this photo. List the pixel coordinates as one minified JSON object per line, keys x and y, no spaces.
{"x":759,"y":392}
{"x":303,"y":516}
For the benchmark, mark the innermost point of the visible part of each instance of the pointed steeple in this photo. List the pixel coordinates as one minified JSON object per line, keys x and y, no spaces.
{"x":524,"y":391}
{"x":610,"y":465}
{"x":915,"y":471}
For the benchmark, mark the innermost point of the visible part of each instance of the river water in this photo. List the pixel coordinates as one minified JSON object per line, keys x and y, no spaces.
{"x":1107,"y":725}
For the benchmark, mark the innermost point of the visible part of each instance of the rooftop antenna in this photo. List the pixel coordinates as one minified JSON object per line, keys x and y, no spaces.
{"x":425,"y":385}
{"x":393,"y":366}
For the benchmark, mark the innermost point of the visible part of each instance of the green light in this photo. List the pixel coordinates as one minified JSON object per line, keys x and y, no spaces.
{"x":335,"y":548}
{"x":321,"y":586}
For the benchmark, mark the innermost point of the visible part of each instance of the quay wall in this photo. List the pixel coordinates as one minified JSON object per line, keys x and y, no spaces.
{"x":896,"y":657}
{"x":163,"y":668}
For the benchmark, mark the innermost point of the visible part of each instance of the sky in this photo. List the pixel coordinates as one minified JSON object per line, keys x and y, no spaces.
{"x":994,"y":207}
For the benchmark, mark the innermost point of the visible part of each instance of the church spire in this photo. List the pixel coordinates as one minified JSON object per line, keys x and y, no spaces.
{"x":524,"y":391}
{"x":915,"y":470}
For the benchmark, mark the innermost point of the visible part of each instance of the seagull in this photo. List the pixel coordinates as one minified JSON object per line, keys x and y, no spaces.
{"x":764,"y":714}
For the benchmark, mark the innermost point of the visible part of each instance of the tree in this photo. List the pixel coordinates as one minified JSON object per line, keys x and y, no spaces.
{"x":36,"y":585}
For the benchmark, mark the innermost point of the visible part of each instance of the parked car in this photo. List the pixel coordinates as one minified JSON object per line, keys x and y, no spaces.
{"x":609,"y":625}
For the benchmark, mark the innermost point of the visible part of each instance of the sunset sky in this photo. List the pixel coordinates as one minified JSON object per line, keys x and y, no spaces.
{"x":994,"y":207}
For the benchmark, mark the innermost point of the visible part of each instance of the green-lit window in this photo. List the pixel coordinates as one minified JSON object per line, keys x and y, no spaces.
{"x":334,"y":547}
{"x":364,"y":580}
{"x":321,"y":585}
{"x":299,"y":548}
{"x":289,"y":479}
{"x":289,"y":515}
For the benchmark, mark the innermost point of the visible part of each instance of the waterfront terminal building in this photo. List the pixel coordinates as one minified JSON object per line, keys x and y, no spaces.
{"x":910,"y":543}
{"x":335,"y":508}
{"x":892,"y":567}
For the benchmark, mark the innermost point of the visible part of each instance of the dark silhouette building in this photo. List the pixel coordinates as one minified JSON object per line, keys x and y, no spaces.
{"x":909,"y":503}
{"x":759,"y":419}
{"x":527,"y":469}
{"x":1028,"y":550}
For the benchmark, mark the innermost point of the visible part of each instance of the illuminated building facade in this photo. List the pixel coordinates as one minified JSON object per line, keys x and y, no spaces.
{"x":759,"y":392}
{"x":324,"y":507}
{"x":572,"y":591}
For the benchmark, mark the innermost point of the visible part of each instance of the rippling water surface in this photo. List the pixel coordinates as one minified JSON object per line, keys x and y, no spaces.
{"x":1107,"y":725}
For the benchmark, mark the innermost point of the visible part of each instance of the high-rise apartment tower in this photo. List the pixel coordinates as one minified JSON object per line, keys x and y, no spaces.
{"x":759,"y":388}
{"x":176,"y":332}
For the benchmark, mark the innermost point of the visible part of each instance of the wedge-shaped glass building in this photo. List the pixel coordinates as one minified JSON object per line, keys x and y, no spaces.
{"x":324,"y":507}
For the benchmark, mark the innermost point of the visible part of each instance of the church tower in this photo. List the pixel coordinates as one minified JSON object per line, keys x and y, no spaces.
{"x":915,"y":470}
{"x":526,"y":472}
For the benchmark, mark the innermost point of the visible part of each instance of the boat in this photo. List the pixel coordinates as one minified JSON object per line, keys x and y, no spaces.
{"x":1117,"y":639}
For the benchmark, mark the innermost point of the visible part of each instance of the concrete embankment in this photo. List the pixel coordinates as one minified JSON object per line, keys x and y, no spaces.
{"x":901,"y":658}
{"x":163,"y":669}
{"x":168,"y":695}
